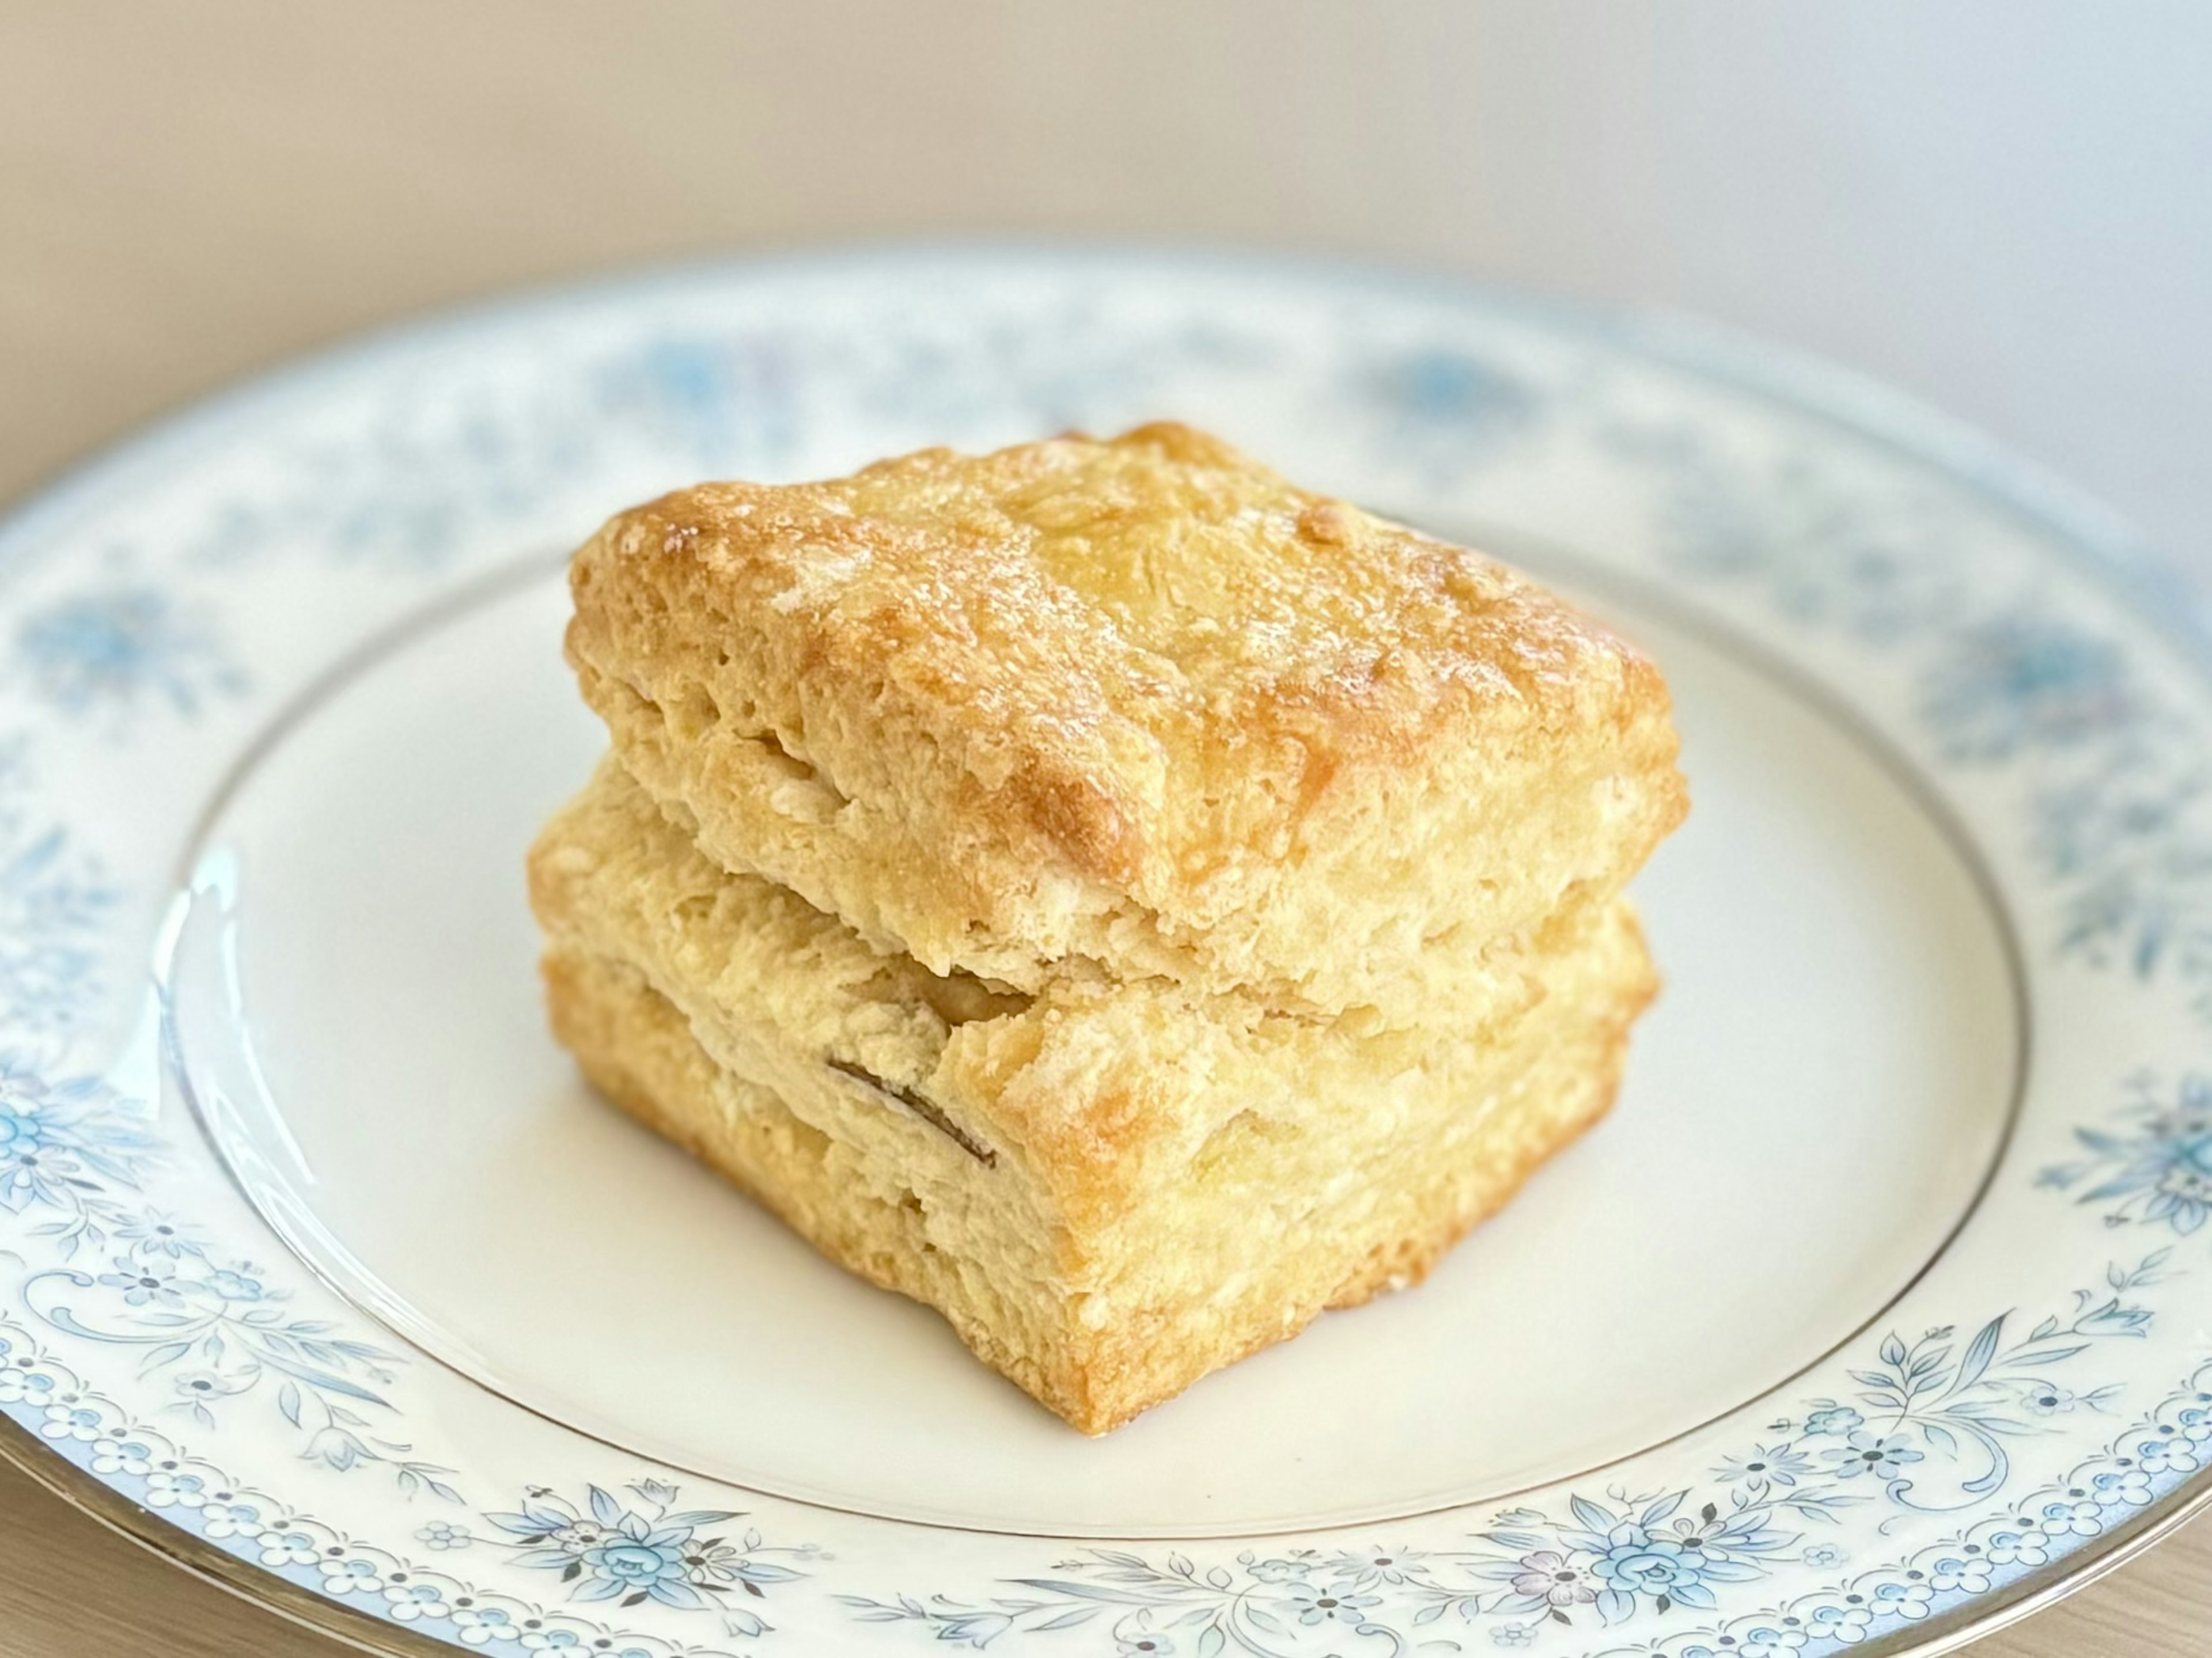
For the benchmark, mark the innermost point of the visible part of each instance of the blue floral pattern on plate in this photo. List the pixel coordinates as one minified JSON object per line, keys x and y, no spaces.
{"x":2153,"y":1164}
{"x":53,"y":901}
{"x":608,"y":1552}
{"x":1924,"y":1470}
{"x":1927,"y":1429}
{"x":116,"y":648}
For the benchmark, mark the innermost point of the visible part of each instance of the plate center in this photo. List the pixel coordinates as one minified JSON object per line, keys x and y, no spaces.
{"x":1809,"y":1110}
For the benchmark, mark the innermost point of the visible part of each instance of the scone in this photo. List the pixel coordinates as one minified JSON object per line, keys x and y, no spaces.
{"x":1097,"y":889}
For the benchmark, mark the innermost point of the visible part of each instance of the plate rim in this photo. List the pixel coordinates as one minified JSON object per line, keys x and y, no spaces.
{"x":2040,"y":1587}
{"x":2083,"y":532}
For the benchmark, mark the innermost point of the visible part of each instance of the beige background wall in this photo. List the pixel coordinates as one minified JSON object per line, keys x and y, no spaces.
{"x":2004,"y":205}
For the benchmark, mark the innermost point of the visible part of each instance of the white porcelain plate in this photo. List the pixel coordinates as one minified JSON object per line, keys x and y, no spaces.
{"x":1879,"y":1310}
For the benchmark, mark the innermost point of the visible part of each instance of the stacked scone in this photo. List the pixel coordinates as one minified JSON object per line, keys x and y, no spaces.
{"x":1097,"y":890}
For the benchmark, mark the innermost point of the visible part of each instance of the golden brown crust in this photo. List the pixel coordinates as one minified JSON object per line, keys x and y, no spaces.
{"x":1139,"y":702}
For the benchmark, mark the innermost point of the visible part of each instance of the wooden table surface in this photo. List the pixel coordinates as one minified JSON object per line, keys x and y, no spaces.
{"x":191,"y":193}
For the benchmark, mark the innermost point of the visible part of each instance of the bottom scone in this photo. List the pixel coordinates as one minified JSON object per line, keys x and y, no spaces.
{"x":1110,"y":1189}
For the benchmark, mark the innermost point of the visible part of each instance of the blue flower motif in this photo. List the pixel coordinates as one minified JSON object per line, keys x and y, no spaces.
{"x":228,"y":1517}
{"x":21,"y":1129}
{"x":1767,"y":1641}
{"x":198,"y":1386}
{"x":1453,"y":399}
{"x":25,"y":1384}
{"x":2021,"y":683}
{"x":1835,"y":1419}
{"x":1513,"y":1635}
{"x":1904,"y":1599}
{"x":153,"y":1233}
{"x":1953,"y":1571}
{"x":351,"y":1575}
{"x":612,"y":1553}
{"x":2155,"y":1170}
{"x":29,"y":1172}
{"x":408,"y":1601}
{"x":726,"y":402}
{"x":2130,"y":846}
{"x":144,"y":1283}
{"x":2184,"y":1189}
{"x":2161,"y":1455}
{"x":1145,"y":1643}
{"x":1846,"y":1624}
{"x":52,"y":904}
{"x":479,"y":1625}
{"x":172,"y":1488}
{"x":1803,"y":533}
{"x":1864,"y":1452}
{"x":2080,"y":1517}
{"x":1655,"y":1556}
{"x":2025,"y":1547}
{"x":1314,"y":1606}
{"x":1281,"y":1571}
{"x":1553,"y":1581}
{"x":442,"y":1535}
{"x":283,"y":1548}
{"x":59,"y":1140}
{"x":1378,"y":1565}
{"x":1823,"y":1557}
{"x":109,"y":650}
{"x":1764,"y":1464}
{"x":67,"y":1420}
{"x":239,"y":1284}
{"x":1640,"y":1561}
{"x":122,"y":1456}
{"x":643,"y":1559}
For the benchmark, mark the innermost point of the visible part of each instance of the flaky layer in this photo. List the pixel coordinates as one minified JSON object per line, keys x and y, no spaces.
{"x":1109,"y":1189}
{"x":1104,"y":1088}
{"x":1137,"y":704}
{"x":640,"y":1050}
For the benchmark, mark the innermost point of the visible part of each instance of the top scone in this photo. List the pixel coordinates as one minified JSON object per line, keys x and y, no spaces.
{"x":1127,"y":708}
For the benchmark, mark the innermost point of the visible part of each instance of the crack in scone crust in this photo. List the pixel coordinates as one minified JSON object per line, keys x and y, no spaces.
{"x":932,"y":1114}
